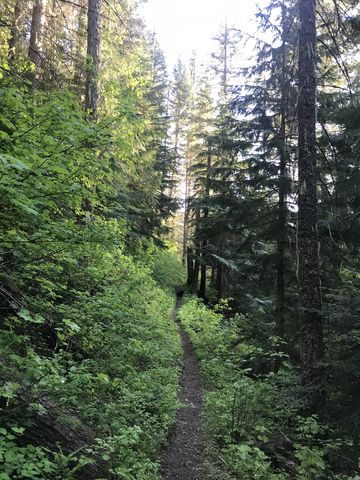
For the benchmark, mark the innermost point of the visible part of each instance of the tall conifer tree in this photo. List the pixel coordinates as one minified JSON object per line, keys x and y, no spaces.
{"x":311,"y":323}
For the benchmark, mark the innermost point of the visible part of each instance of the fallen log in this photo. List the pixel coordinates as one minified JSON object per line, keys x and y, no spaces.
{"x":56,"y":429}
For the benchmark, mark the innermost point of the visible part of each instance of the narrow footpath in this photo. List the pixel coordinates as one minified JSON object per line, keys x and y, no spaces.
{"x":183,"y":459}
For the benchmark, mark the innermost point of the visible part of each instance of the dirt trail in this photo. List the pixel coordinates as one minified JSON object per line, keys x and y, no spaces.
{"x":183,"y":459}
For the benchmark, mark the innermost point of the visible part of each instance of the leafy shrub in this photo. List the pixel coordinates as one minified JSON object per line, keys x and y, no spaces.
{"x":114,"y":364}
{"x":83,"y":324}
{"x":254,"y":419}
{"x":168,"y":269}
{"x":250,"y":463}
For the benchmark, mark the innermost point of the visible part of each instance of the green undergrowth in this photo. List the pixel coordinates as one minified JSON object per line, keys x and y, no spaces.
{"x":113,"y":367}
{"x":255,"y":430}
{"x":89,"y":354}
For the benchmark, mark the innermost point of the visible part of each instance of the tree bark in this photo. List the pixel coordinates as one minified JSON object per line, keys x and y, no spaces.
{"x":195,"y":281}
{"x":37,"y":25}
{"x":219,"y":282}
{"x":93,"y":57}
{"x":311,"y":323}
{"x":190,"y":267}
{"x":186,"y":205}
{"x":282,"y":211}
{"x":53,"y":427}
{"x":213,"y":277}
{"x":219,"y":276}
{"x":15,"y":30}
{"x":79,"y":46}
{"x":202,"y":289}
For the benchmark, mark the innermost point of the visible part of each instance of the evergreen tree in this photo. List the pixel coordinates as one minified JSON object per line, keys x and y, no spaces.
{"x":179,"y":103}
{"x":311,"y":321}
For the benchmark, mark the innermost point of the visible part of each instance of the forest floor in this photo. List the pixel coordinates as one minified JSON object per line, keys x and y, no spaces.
{"x":184,"y":456}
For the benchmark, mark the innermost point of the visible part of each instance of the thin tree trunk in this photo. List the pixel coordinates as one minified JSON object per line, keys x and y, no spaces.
{"x":176,"y":154}
{"x":80,"y":44}
{"x":213,"y":277}
{"x":282,"y":213}
{"x":15,"y":30}
{"x":225,"y":72}
{"x":93,"y":57}
{"x":186,"y":205}
{"x":195,"y":282}
{"x":219,"y":276}
{"x":219,"y":282}
{"x":202,"y":290}
{"x":312,"y":347}
{"x":37,"y":25}
{"x":190,"y":267}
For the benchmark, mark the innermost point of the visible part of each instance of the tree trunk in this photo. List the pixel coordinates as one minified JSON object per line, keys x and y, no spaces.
{"x":190,"y":267}
{"x":53,"y":427}
{"x":37,"y":25}
{"x":186,"y":206}
{"x":93,"y":57}
{"x":282,"y":213}
{"x":220,"y":276}
{"x":79,"y":46}
{"x":177,"y":116}
{"x":225,"y":72}
{"x":195,"y":282}
{"x":202,"y":290}
{"x":213,"y":277}
{"x":312,"y":347}
{"x":15,"y":30}
{"x":57,"y":429}
{"x":219,"y":282}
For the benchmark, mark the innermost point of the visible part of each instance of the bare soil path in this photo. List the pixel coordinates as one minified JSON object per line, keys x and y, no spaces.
{"x":183,"y":459}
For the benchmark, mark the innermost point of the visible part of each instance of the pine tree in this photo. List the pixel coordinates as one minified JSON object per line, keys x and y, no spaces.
{"x":197,"y":163}
{"x":312,"y":347}
{"x":179,"y":103}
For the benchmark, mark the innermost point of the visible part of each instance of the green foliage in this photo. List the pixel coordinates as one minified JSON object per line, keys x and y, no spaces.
{"x":124,"y":383}
{"x":254,"y":419}
{"x":250,"y":462}
{"x":86,"y":335}
{"x":168,"y":270}
{"x":34,"y":462}
{"x":21,"y":462}
{"x":83,"y":325}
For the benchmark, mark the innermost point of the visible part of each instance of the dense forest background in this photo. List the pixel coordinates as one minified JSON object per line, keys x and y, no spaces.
{"x":238,"y":178}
